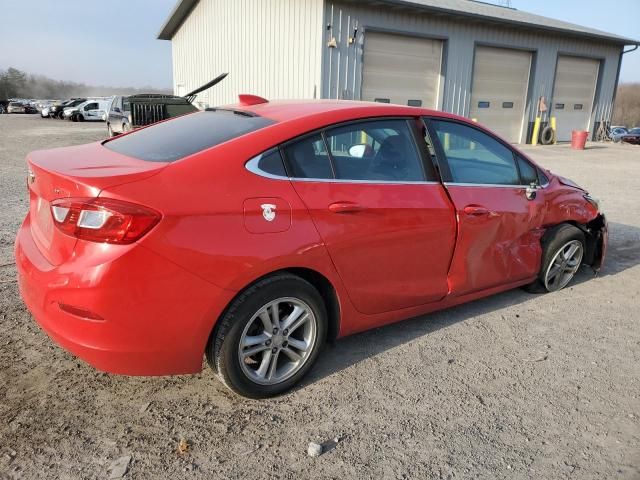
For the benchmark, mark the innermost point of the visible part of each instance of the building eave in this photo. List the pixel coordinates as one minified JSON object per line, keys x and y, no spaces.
{"x":477,"y":11}
{"x":176,"y":18}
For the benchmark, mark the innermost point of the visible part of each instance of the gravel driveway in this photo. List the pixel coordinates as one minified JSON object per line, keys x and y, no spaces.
{"x":512,"y":386}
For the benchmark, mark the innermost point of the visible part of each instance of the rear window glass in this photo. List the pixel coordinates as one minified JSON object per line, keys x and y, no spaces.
{"x":172,"y":140}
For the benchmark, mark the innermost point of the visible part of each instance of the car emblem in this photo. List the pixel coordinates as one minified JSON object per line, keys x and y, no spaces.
{"x":268,"y":211}
{"x":31,"y":177}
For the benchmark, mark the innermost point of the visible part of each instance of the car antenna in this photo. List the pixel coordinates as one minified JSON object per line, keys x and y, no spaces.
{"x":191,"y":96}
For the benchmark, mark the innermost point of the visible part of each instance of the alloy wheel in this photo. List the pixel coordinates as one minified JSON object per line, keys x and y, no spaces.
{"x":564,"y":265}
{"x":277,"y":341}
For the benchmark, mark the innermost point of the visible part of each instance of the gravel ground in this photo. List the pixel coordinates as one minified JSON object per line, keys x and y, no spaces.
{"x":512,"y":386}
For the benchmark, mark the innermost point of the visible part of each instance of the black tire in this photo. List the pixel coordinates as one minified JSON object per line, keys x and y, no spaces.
{"x":79,"y":117}
{"x":126,"y":128}
{"x":223,"y":348}
{"x":547,"y":136}
{"x":552,"y":242}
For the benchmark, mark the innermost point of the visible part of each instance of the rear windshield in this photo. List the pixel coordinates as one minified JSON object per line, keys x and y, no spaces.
{"x":172,"y":140}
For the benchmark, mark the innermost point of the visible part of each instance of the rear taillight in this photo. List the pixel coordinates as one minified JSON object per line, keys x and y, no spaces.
{"x":103,"y":220}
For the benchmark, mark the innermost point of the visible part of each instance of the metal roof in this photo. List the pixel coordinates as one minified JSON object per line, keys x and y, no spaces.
{"x":457,"y":8}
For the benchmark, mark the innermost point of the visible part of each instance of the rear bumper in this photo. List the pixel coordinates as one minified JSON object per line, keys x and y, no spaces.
{"x":156,"y":316}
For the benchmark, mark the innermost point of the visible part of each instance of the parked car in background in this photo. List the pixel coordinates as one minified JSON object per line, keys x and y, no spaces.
{"x":91,"y":110}
{"x":19,"y":107}
{"x":615,"y":133}
{"x":134,"y":111}
{"x":632,"y":136}
{"x":56,"y":111}
{"x":129,"y":112}
{"x":254,"y":232}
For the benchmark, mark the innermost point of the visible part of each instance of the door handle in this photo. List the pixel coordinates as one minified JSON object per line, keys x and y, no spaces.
{"x":345,"y":207}
{"x":476,"y":210}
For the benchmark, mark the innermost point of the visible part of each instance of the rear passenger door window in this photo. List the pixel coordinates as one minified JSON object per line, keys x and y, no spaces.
{"x":308,"y":158}
{"x":475,"y":157}
{"x":271,"y":162}
{"x":381,"y":150}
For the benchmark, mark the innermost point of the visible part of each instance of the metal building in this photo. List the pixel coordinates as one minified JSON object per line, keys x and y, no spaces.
{"x":471,"y":58}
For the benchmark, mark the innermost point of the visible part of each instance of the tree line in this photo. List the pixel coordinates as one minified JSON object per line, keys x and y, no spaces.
{"x":15,"y":83}
{"x":627,"y":108}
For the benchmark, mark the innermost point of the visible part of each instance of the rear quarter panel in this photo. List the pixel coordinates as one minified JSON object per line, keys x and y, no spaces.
{"x":205,"y":226}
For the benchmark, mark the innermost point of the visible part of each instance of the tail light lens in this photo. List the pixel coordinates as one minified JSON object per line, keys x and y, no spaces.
{"x":103,"y":220}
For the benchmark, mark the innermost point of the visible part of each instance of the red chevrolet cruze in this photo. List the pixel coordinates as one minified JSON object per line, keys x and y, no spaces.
{"x":255,"y":232}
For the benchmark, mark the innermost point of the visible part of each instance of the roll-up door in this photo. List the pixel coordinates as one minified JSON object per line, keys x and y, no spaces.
{"x":573,"y":93}
{"x":499,"y":90}
{"x":401,"y":69}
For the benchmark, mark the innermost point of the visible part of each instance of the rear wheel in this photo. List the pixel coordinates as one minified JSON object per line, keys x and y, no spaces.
{"x":126,"y":127}
{"x":269,"y":337}
{"x":562,"y":256}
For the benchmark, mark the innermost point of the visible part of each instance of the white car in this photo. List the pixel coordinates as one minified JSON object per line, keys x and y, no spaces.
{"x":90,"y":110}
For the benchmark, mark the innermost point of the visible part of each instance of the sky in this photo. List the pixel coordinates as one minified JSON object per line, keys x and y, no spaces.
{"x":97,"y":42}
{"x":114,"y":43}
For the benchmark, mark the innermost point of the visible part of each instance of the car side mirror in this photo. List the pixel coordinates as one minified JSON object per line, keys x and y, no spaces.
{"x":532,"y":191}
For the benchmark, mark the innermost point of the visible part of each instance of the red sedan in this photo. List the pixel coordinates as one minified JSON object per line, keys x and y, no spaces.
{"x":256,"y":232}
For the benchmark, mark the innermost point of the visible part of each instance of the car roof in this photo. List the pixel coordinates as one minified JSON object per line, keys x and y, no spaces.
{"x":335,"y":110}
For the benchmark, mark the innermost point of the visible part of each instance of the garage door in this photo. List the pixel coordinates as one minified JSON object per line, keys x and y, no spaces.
{"x":573,"y":93}
{"x":499,"y":90}
{"x":401,"y":69}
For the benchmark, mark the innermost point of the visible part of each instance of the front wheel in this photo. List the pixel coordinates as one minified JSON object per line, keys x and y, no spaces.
{"x":269,"y":337}
{"x":562,"y":256}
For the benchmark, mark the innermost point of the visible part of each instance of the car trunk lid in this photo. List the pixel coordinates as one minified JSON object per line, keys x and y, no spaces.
{"x":74,"y":172}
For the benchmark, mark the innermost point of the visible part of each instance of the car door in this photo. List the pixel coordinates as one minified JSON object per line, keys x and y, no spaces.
{"x":115,"y":115}
{"x":89,"y":111}
{"x":385,"y":220}
{"x":499,"y":213}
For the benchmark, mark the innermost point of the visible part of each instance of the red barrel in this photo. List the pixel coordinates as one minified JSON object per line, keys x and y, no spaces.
{"x":578,"y":139}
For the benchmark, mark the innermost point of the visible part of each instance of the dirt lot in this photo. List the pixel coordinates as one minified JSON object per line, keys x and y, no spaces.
{"x":513,"y":386}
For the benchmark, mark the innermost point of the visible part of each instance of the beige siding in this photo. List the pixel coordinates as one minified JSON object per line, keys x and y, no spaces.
{"x":270,"y":48}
